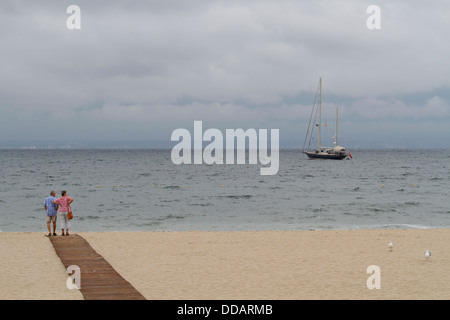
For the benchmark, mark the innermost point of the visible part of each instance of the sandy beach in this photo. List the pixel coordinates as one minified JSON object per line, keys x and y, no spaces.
{"x":250,"y":265}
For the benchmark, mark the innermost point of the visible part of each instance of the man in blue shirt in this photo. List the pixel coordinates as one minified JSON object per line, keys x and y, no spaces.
{"x":51,"y":209}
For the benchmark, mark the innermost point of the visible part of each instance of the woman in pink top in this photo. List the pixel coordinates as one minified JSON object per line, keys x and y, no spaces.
{"x":64,"y":207}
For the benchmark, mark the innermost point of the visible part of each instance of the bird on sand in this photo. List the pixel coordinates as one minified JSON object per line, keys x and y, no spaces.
{"x":390,"y":246}
{"x":427,"y":254}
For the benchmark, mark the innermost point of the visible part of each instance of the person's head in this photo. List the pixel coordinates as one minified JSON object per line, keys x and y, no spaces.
{"x":63,"y":193}
{"x":53,"y":193}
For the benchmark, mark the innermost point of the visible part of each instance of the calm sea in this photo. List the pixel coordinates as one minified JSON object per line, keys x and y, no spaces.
{"x":139,"y":190}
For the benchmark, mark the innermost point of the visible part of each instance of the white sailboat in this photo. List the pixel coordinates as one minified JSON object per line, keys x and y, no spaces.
{"x":333,"y":153}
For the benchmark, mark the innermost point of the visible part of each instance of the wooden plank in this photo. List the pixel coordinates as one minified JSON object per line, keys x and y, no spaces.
{"x":98,"y":279}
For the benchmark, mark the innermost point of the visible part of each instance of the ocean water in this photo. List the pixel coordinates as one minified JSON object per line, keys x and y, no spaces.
{"x":142,"y":190}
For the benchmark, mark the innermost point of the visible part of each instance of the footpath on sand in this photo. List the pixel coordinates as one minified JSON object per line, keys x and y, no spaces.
{"x":98,"y":279}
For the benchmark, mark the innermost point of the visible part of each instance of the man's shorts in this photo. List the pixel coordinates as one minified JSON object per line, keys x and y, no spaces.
{"x":51,"y":218}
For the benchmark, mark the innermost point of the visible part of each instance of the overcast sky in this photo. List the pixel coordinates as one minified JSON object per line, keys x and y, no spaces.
{"x":137,"y":70}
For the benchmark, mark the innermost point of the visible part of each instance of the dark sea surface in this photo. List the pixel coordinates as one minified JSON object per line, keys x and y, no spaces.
{"x":142,"y":190}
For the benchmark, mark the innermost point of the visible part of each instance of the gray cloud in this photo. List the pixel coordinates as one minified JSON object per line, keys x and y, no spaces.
{"x":140,"y":69}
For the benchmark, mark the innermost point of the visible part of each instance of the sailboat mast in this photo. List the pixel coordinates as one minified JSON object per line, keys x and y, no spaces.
{"x":335,"y":135}
{"x":320,"y":112}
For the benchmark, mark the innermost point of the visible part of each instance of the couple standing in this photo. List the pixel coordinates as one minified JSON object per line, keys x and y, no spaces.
{"x":51,"y":205}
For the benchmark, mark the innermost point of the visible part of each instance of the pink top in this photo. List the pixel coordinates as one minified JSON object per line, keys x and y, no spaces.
{"x":63,"y":203}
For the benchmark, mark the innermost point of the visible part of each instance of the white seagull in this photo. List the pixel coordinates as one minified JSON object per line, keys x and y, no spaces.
{"x":427,"y":254}
{"x":390,"y":246}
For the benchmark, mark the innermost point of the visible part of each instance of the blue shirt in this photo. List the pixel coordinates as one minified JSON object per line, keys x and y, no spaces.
{"x":51,"y":207}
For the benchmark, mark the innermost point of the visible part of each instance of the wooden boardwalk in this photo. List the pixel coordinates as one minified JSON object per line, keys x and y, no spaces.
{"x":98,"y":280}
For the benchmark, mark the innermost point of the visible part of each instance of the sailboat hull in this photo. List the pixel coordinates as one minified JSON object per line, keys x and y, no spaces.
{"x":325,"y":156}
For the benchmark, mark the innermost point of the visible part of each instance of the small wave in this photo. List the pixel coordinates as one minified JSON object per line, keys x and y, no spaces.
{"x":406,"y":226}
{"x":171,"y":187}
{"x":407,"y":174}
{"x":310,"y":216}
{"x":216,"y":174}
{"x":147,"y":224}
{"x":201,"y":204}
{"x":93,"y":217}
{"x":82,"y":218}
{"x":381,"y":210}
{"x":145,"y":174}
{"x":356,"y":214}
{"x":244,"y":196}
{"x":412,"y":203}
{"x":172,"y":216}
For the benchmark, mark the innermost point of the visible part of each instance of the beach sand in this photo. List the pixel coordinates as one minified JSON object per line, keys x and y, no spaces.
{"x":31,"y":270}
{"x":245,"y":265}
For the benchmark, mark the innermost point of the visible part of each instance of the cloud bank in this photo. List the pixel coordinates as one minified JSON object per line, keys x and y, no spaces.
{"x":138,"y":70}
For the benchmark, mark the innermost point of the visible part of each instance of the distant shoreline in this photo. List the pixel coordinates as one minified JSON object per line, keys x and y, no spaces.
{"x":165,"y":148}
